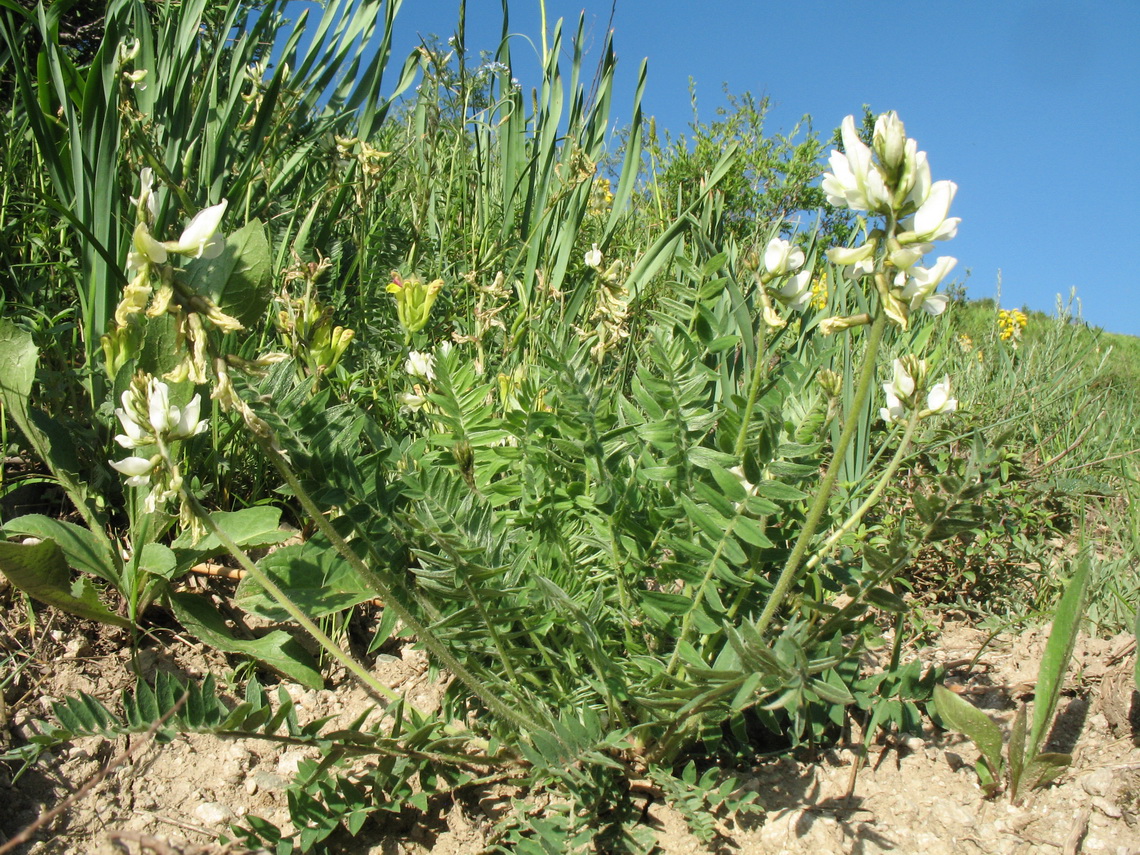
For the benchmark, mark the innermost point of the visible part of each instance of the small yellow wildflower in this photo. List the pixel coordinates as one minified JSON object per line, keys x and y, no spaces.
{"x":965,"y":343}
{"x":819,"y":293}
{"x":601,"y":197}
{"x":1011,"y":324}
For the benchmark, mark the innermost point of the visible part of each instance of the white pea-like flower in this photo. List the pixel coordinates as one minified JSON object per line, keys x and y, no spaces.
{"x":859,"y":260}
{"x":137,"y":469}
{"x":855,"y":181}
{"x":796,"y":292}
{"x":899,"y":394}
{"x":593,"y":257}
{"x":922,"y":282}
{"x":200,"y":238}
{"x":938,"y":400}
{"x":930,"y":222}
{"x":411,"y":402}
{"x":420,"y":365}
{"x":781,"y":256}
{"x":889,"y":141}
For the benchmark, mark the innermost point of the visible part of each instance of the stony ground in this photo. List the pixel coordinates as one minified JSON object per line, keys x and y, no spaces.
{"x":917,"y":794}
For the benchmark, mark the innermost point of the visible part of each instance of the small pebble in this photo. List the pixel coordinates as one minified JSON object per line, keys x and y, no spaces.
{"x":213,"y":813}
{"x":1097,"y":782}
{"x":1106,"y":807}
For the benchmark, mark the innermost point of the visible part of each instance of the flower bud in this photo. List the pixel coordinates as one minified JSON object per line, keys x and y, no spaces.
{"x":889,"y":141}
{"x":830,"y":382}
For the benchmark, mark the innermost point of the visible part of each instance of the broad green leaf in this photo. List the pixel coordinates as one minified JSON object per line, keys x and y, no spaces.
{"x":55,"y":447}
{"x":41,"y":571}
{"x":832,"y":692}
{"x":314,"y":577}
{"x":158,"y":560}
{"x":962,"y":716}
{"x":277,"y":649}
{"x":82,"y":549}
{"x":249,"y":528}
{"x":779,"y":491}
{"x":751,"y":532}
{"x":729,"y":484}
{"x":18,"y":357}
{"x":238,"y":280}
{"x":886,"y":600}
{"x":1058,"y":650}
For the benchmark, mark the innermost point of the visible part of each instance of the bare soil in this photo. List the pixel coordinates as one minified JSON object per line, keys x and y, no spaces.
{"x":917,"y":793}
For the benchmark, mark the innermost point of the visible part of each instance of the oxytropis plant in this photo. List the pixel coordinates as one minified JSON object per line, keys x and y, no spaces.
{"x":606,"y":546}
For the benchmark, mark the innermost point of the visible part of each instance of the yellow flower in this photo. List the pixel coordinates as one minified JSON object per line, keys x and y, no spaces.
{"x":819,"y":293}
{"x":1011,"y":324}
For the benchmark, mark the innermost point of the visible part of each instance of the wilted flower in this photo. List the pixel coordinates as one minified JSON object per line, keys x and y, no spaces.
{"x":832,"y":325}
{"x":127,"y":51}
{"x":414,"y":300}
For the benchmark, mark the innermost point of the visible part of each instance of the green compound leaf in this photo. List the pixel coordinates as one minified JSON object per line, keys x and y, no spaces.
{"x":41,"y":571}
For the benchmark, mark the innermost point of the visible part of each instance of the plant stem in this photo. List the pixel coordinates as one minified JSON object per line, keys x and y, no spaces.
{"x":386,"y":593}
{"x":753,"y":390}
{"x":815,"y":514}
{"x":283,"y":600}
{"x":869,"y":502}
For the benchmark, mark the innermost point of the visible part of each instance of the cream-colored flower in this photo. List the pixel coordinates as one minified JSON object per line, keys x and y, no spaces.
{"x":200,"y":238}
{"x":420,"y":365}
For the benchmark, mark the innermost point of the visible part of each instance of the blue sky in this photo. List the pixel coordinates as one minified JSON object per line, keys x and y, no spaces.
{"x":1033,"y":108}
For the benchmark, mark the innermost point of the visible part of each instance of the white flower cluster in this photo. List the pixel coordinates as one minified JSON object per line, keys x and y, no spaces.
{"x":149,"y":419}
{"x":901,"y":393}
{"x":892,"y":178}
